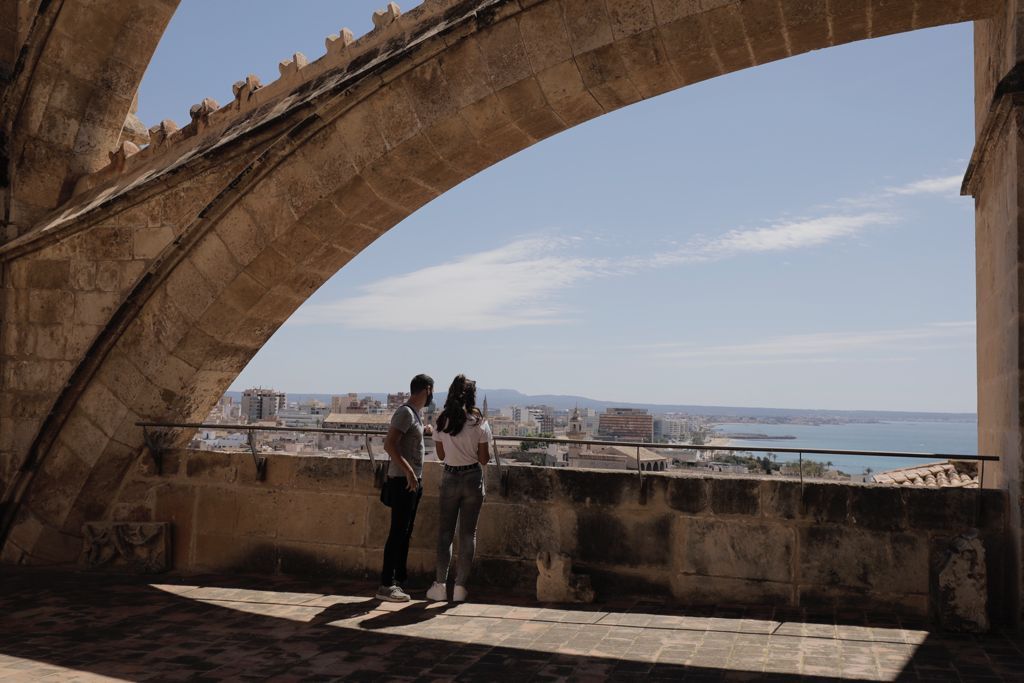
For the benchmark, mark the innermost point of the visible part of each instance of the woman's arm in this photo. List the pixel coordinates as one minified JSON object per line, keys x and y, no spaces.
{"x":440,"y":449}
{"x":483,"y":456}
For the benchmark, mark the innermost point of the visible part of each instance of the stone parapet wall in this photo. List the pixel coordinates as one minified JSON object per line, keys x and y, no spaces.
{"x":697,"y":539}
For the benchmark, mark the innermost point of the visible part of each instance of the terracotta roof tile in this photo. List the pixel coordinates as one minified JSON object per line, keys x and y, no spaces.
{"x":951,"y":473}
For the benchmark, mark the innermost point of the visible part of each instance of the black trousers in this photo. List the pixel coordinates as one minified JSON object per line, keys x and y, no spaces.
{"x":403,"y":514}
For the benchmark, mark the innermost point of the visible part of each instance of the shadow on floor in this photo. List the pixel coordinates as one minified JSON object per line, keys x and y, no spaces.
{"x":212,"y":628}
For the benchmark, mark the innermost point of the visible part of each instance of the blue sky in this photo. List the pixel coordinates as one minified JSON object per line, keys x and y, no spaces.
{"x":786,"y":236}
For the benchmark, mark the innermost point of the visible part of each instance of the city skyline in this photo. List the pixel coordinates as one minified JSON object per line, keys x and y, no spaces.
{"x":786,"y":236}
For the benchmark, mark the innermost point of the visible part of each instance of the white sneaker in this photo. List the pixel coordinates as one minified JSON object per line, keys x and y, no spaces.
{"x":459,"y":594}
{"x":392,"y":594}
{"x":437,"y":592}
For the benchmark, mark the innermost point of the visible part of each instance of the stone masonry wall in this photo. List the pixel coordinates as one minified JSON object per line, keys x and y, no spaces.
{"x":698,"y":539}
{"x":997,"y":193}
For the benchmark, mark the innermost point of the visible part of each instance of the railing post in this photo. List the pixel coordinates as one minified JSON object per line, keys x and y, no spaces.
{"x":369,"y":449}
{"x":801,"y":456}
{"x":258,"y":460}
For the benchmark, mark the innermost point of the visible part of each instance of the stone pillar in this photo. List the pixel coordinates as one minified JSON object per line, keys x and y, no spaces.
{"x":995,"y":178}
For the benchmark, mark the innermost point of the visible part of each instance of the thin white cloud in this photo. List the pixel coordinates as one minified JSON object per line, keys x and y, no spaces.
{"x":780,"y":236}
{"x":821,"y":347}
{"x":515,"y":285}
{"x":948,"y":185}
{"x":512,"y":286}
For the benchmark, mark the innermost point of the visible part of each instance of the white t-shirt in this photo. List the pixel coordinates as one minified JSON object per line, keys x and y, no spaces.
{"x":461,"y":448}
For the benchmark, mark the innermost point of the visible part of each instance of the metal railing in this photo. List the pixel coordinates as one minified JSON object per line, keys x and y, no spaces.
{"x":156,"y":446}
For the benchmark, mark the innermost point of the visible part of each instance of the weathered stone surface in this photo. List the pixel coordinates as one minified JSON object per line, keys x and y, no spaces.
{"x":606,"y":536}
{"x":556,"y":581}
{"x":711,"y":547}
{"x":136,"y":546}
{"x":204,"y":219}
{"x":962,"y":599}
{"x":848,"y":558}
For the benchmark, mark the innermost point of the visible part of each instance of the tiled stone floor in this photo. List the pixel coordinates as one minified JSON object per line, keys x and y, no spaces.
{"x":66,"y":626}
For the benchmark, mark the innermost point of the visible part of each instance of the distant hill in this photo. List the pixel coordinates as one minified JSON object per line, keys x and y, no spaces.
{"x":502,"y":398}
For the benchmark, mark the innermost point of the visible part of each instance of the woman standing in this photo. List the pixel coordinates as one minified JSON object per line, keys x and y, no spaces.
{"x":461,"y":440}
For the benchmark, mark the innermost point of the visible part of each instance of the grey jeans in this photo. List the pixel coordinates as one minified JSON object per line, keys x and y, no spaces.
{"x":462,"y":495}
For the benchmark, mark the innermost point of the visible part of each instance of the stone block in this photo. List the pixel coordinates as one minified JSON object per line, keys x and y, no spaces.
{"x":780,"y":499}
{"x":321,"y":518}
{"x":629,"y":17}
{"x":888,"y":17}
{"x":606,"y":537}
{"x":728,"y":37}
{"x":312,"y":560}
{"x":218,"y":467}
{"x":606,"y":77}
{"x":735,"y":496}
{"x":688,"y":494}
{"x":48,"y":274}
{"x":425,"y":530}
{"x":59,"y":480}
{"x":104,"y":477}
{"x":428,"y":91}
{"x":95,"y":308}
{"x":83,"y":437}
{"x":739,"y":550}
{"x":828,"y":599}
{"x":715,"y":590}
{"x":878,"y":507}
{"x":216,"y":512}
{"x":521,"y":531}
{"x":544,"y":35}
{"x":108,"y":275}
{"x":103,"y":408}
{"x":950,"y":510}
{"x":826,"y":503}
{"x":588,"y":25}
{"x":216,"y":553}
{"x":587,"y":488}
{"x":961,"y":593}
{"x":852,"y":559}
{"x":994,"y":510}
{"x":50,"y":305}
{"x":526,"y":484}
{"x":504,"y":54}
{"x":147,"y":243}
{"x":214,"y":261}
{"x":361,"y":135}
{"x":648,"y":64}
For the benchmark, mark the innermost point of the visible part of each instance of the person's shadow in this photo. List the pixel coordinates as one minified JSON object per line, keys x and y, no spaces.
{"x":413,"y":613}
{"x":344,"y":610}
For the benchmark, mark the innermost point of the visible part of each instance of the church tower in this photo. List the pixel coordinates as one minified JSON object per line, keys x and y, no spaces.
{"x":575,"y":432}
{"x":485,"y":405}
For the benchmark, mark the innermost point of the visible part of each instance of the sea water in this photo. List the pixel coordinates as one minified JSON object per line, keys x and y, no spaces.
{"x":945,"y":438}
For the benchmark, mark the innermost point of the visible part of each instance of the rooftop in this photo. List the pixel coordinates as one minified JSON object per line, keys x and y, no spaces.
{"x":61,"y":625}
{"x":935,"y":475}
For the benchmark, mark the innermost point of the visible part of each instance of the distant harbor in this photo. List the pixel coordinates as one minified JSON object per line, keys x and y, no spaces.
{"x":941,"y":438}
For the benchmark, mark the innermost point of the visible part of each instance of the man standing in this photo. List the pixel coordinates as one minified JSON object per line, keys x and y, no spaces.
{"x":404,"y":446}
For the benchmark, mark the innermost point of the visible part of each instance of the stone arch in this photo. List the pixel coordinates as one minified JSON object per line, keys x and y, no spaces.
{"x":350,"y":159}
{"x":68,"y":76}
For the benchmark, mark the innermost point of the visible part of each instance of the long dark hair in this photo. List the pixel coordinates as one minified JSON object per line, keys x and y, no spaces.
{"x":458,"y":406}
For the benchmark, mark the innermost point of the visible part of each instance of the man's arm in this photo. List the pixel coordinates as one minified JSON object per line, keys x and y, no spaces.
{"x":391,"y":448}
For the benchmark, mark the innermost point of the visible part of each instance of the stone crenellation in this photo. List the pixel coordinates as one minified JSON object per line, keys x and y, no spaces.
{"x":392,"y":31}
